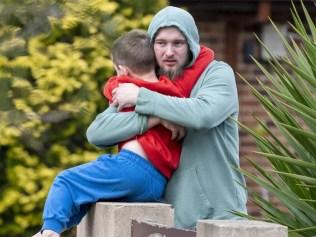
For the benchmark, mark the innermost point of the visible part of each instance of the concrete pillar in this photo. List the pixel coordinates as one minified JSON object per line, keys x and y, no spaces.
{"x":241,"y":228}
{"x":113,"y":219}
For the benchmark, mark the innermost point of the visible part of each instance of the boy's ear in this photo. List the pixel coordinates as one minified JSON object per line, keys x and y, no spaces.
{"x":123,"y":71}
{"x":116,"y":69}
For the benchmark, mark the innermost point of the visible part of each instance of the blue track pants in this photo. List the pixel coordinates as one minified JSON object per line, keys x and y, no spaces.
{"x":121,"y":177}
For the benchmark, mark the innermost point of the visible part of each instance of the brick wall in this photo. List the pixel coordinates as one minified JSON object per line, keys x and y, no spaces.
{"x":227,"y":27}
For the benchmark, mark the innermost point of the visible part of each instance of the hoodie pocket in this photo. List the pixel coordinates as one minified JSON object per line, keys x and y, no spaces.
{"x":186,"y":194}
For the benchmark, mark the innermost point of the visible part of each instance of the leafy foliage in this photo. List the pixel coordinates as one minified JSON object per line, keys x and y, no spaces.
{"x":54,"y":59}
{"x":290,"y":101}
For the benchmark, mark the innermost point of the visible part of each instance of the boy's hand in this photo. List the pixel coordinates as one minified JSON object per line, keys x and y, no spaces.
{"x":153,"y":121}
{"x":177,"y":131}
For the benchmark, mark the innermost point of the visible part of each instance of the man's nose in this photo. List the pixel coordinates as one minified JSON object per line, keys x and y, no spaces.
{"x":169,"y":50}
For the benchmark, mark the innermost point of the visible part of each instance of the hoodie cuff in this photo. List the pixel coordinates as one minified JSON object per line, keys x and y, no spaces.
{"x":144,"y":124}
{"x":145,"y":103}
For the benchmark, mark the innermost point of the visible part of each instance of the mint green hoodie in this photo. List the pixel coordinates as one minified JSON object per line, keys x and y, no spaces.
{"x":205,"y":186}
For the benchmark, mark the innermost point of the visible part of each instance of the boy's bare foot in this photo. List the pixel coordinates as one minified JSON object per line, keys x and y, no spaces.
{"x":50,"y":233}
{"x":37,"y":235}
{"x":47,"y":233}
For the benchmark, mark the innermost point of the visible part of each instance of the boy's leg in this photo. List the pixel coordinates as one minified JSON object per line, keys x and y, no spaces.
{"x":109,"y":177}
{"x":74,"y":220}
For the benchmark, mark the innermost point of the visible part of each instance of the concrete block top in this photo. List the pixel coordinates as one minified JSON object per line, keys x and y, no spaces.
{"x":239,"y":223}
{"x":134,"y":204}
{"x":239,"y":228}
{"x":113,"y":219}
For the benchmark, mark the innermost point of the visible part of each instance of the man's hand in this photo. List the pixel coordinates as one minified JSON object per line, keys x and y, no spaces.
{"x":125,"y":95}
{"x":177,"y":131}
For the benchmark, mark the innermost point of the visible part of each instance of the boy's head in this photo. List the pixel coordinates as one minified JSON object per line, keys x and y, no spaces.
{"x":133,"y":50}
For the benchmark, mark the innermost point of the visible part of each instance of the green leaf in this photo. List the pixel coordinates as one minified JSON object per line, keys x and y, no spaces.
{"x":302,"y":178}
{"x":290,"y":160}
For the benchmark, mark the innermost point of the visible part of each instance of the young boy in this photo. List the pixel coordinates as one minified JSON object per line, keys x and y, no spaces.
{"x":140,"y":170}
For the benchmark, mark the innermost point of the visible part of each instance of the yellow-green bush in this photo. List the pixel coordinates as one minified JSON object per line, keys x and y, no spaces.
{"x":54,"y":59}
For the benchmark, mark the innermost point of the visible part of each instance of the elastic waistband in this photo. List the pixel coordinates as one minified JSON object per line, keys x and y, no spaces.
{"x":146,"y":164}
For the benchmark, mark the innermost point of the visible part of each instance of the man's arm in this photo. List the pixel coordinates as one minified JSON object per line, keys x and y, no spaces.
{"x":111,"y":127}
{"x":216,"y":99}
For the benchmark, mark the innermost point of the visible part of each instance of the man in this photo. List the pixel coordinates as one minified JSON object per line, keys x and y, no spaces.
{"x":206,"y":185}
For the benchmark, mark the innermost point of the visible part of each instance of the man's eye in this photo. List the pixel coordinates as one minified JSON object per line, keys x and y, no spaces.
{"x":160,"y":43}
{"x":179,"y":44}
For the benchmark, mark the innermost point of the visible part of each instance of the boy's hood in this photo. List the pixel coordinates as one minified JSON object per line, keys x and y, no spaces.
{"x":174,"y":16}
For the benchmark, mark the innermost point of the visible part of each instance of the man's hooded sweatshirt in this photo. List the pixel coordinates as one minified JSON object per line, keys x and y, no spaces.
{"x":161,"y":150}
{"x":206,"y":184}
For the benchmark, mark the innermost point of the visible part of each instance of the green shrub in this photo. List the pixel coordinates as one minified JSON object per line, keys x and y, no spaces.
{"x":54,"y":59}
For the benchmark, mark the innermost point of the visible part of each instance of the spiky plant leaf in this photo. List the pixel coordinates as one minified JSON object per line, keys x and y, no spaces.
{"x":290,"y":101}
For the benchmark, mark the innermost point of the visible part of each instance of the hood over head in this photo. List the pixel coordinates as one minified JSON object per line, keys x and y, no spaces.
{"x":183,"y":20}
